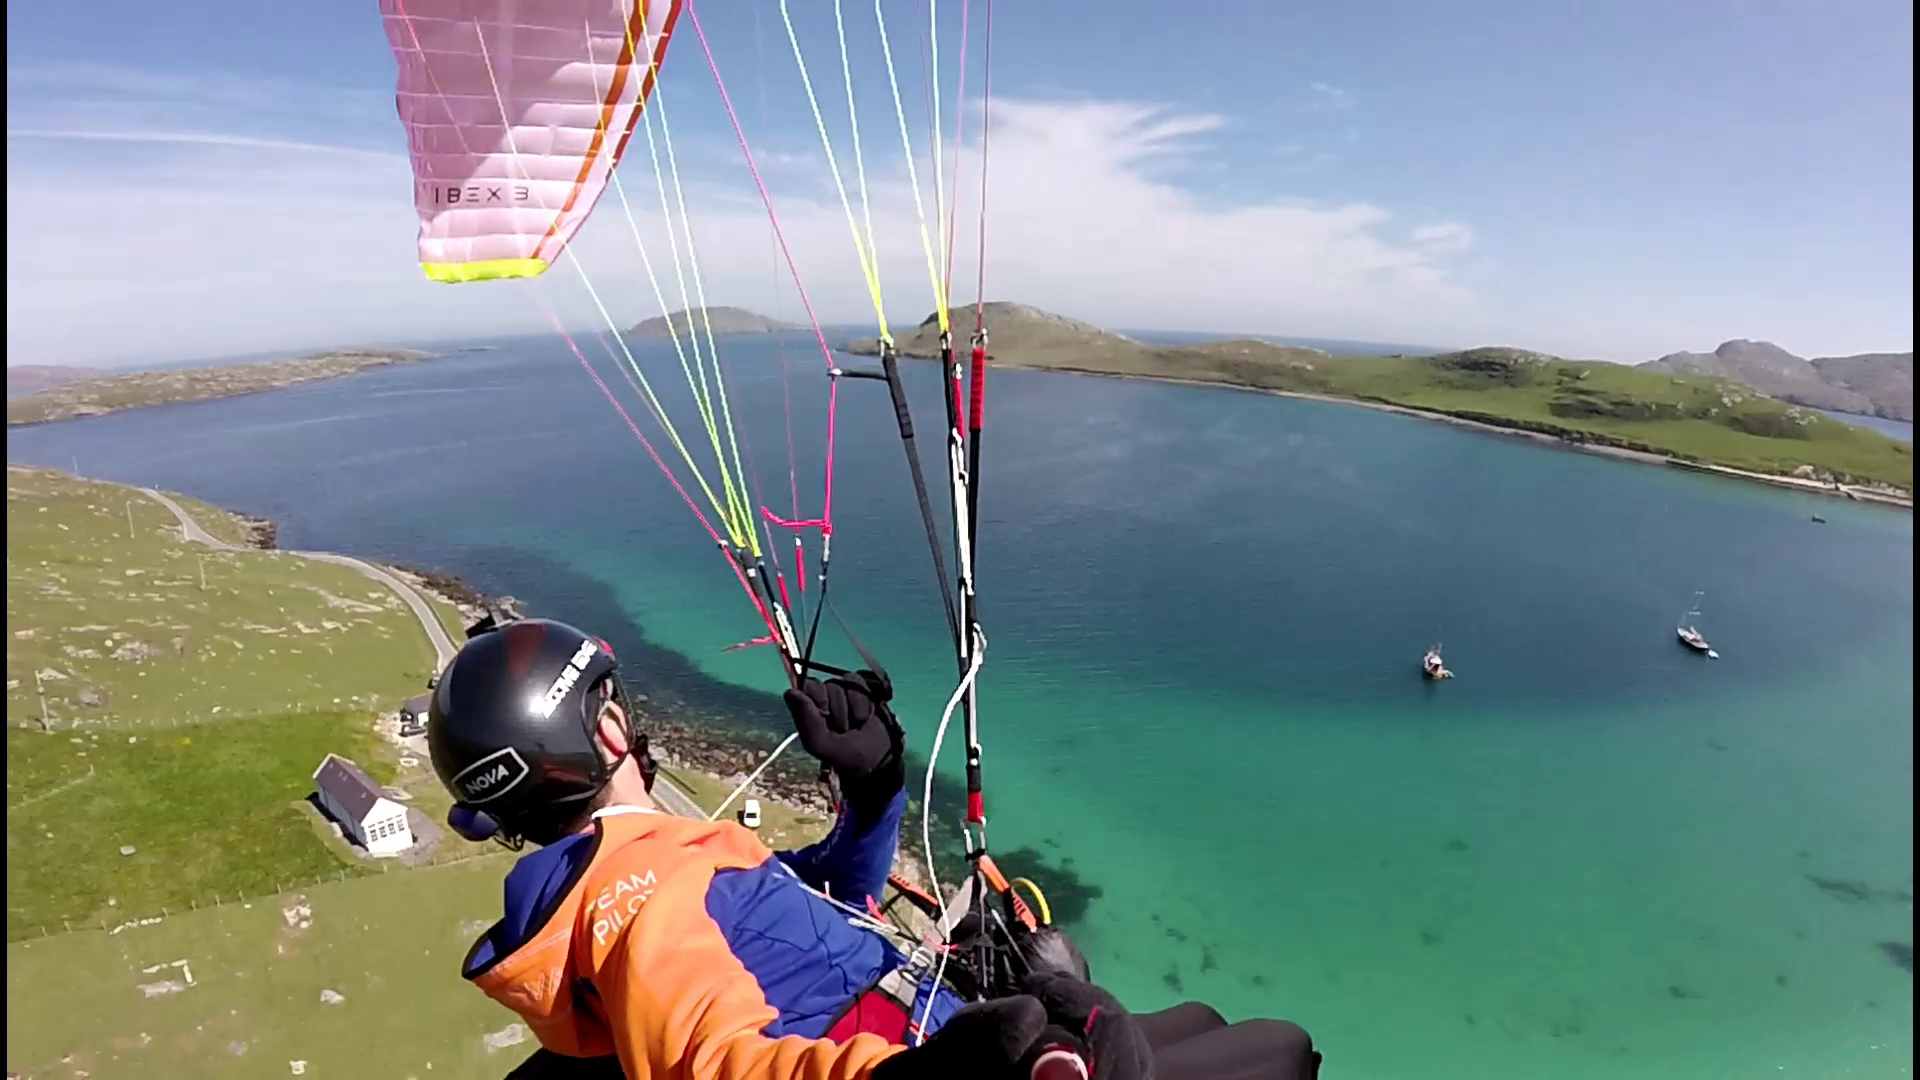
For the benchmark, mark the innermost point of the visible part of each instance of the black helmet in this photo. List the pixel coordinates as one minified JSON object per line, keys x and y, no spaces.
{"x":512,"y":726}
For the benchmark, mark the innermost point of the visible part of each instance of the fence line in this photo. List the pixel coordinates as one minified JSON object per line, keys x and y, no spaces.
{"x":241,"y":896}
{"x":380,"y":703}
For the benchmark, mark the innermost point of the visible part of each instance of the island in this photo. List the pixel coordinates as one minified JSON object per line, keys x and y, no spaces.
{"x":101,"y":393}
{"x":721,"y":320}
{"x":23,"y":379}
{"x":1703,"y":422}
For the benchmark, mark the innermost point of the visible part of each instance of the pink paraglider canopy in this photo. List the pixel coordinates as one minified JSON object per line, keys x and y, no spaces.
{"x":516,"y":114}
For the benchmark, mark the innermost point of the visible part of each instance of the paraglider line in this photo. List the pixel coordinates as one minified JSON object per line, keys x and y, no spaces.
{"x":786,"y":252}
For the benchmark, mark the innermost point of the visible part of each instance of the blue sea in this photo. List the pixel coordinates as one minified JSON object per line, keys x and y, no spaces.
{"x":1592,"y":854}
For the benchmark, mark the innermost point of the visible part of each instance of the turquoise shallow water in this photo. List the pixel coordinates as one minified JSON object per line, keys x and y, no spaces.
{"x":1591,"y":855}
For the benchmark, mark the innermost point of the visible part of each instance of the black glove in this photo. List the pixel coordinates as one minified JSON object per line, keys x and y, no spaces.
{"x":991,"y":1040}
{"x":846,"y":724}
{"x":1050,"y":950}
{"x":1116,"y":1047}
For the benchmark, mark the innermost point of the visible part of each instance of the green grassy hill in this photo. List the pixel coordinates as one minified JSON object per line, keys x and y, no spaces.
{"x":161,"y":736}
{"x":1699,"y":419}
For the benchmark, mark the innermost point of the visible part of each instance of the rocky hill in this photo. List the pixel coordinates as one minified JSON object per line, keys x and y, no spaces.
{"x":724,"y":320}
{"x":1886,"y":379}
{"x":1870,"y":384}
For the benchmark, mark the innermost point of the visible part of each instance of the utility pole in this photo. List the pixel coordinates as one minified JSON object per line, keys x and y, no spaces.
{"x":202,"y":560}
{"x":39,"y":688}
{"x":129,"y":519}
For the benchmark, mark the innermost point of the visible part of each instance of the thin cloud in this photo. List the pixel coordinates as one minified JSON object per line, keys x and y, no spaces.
{"x":1330,"y":97}
{"x":198,"y":138}
{"x":214,"y":239}
{"x":1445,"y":236}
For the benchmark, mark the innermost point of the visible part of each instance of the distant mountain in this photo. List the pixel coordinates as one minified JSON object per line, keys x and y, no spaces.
{"x":724,"y":320}
{"x":1870,"y":384}
{"x":1885,"y":378}
{"x":33,"y":378}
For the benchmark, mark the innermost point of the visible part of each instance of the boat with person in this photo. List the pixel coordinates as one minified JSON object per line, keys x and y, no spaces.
{"x":1433,"y":667}
{"x":1689,"y":631}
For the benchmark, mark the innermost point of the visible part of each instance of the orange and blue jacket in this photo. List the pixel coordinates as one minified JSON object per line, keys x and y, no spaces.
{"x":692,"y":952}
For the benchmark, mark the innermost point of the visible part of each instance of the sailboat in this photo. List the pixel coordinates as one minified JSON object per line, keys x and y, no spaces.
{"x":1689,"y":632}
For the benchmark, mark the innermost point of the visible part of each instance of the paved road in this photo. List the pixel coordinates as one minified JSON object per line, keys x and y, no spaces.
{"x":670,"y":798}
{"x":675,"y":801}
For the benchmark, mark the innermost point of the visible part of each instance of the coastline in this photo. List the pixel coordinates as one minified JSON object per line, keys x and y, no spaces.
{"x":709,"y":746}
{"x":684,"y":740}
{"x":110,"y":392}
{"x":1618,"y":453}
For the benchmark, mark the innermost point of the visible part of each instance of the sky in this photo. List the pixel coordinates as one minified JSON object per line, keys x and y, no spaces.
{"x":1614,"y":181}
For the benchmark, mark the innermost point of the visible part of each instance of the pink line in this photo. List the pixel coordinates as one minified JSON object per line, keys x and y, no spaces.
{"x":959,"y":124}
{"x":758,"y":604}
{"x":986,"y":125}
{"x":773,"y":218}
{"x":631,"y":426}
{"x":788,"y":523}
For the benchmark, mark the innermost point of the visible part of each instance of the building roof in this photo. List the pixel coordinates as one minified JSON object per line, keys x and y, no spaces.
{"x":350,"y":787}
{"x":417,"y":706}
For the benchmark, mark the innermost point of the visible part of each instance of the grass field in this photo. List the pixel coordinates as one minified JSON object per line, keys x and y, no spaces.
{"x":211,"y":810}
{"x":105,"y":607}
{"x":144,"y":711}
{"x":389,"y":945}
{"x":159,"y":797}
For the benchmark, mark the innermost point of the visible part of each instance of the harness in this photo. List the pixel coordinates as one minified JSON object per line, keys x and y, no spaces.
{"x":984,"y":962}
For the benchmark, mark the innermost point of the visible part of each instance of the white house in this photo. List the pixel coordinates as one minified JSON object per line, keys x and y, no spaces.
{"x":364,"y":812}
{"x":413,"y":714}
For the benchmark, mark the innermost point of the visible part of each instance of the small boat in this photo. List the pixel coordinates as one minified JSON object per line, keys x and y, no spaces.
{"x":1433,"y":667}
{"x":1818,"y":520}
{"x":1690,"y":636}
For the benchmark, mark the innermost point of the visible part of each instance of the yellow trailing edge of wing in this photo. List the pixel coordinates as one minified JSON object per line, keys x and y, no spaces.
{"x":484,"y":270}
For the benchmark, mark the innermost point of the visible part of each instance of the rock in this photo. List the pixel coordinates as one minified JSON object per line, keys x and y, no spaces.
{"x":92,"y":698}
{"x":331,"y":997}
{"x":135,"y":651}
{"x":128,"y":849}
{"x":511,"y":1035}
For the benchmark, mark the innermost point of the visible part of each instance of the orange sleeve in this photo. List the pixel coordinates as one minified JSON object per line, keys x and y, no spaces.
{"x":679,"y":1003}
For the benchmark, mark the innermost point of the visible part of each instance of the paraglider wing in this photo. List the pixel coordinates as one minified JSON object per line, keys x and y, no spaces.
{"x":516,"y":114}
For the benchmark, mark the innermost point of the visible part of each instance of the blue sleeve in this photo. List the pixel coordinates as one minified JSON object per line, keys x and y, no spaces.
{"x":853,"y":860}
